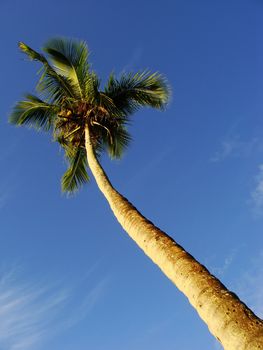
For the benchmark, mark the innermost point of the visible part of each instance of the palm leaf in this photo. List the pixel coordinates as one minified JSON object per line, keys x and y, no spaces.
{"x":55,"y":88}
{"x":118,"y":143}
{"x":113,"y":137}
{"x":76,"y":175}
{"x":33,"y":112}
{"x":51,"y":84}
{"x":107,"y":102}
{"x":32,"y":54}
{"x":132,"y":91}
{"x":70,"y":59}
{"x":91,"y":88}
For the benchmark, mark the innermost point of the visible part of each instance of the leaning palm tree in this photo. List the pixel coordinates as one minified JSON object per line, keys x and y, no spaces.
{"x":86,"y":120}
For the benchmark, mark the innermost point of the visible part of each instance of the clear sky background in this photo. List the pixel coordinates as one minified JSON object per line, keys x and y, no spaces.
{"x":70,"y":277}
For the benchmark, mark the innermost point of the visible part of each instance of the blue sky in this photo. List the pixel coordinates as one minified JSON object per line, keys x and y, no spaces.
{"x":70,"y":278}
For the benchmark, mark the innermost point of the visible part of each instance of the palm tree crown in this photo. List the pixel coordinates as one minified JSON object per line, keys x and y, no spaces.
{"x":69,"y":98}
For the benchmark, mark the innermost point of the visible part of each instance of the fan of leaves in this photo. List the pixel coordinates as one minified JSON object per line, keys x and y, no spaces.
{"x":69,"y":99}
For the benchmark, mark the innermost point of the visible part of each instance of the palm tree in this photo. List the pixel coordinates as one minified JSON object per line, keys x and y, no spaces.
{"x":86,"y":121}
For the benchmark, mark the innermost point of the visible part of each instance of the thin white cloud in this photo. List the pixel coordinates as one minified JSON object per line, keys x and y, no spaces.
{"x":9,"y":179}
{"x":8,"y":151}
{"x":257,"y":194}
{"x":250,"y":285}
{"x":234,"y":147}
{"x":7,"y":190}
{"x":227,"y":147}
{"x":32,"y":312}
{"x":148,"y":167}
{"x":92,"y":297}
{"x":221,"y":270}
{"x":135,"y":58}
{"x":26,"y":309}
{"x":3,"y":200}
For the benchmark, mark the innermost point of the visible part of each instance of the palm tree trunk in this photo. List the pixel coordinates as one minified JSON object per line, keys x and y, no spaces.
{"x":227,"y":318}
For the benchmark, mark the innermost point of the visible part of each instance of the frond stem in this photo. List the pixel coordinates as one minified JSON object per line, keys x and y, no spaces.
{"x":103,"y":126}
{"x":72,"y":132}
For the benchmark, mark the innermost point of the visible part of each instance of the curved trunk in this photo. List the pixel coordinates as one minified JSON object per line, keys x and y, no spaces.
{"x":227,"y":318}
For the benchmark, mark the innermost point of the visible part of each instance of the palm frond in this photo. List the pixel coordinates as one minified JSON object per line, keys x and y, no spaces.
{"x":76,"y":175}
{"x":119,"y":141}
{"x":91,"y":88}
{"x":50,"y":81}
{"x":113,"y":137}
{"x":70,"y":59}
{"x":55,"y":88}
{"x":132,"y":91}
{"x":32,"y":54}
{"x":33,"y":112}
{"x":107,"y":102}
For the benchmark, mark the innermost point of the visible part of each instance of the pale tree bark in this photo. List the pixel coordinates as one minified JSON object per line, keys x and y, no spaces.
{"x":228,"y":319}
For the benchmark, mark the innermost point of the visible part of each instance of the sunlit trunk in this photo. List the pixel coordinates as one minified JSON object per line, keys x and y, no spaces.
{"x":227,"y":318}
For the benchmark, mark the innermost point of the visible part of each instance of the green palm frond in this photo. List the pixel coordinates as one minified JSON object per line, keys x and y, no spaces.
{"x":51,"y":84}
{"x":32,"y":54}
{"x":55,"y":88}
{"x":112,"y":137}
{"x":70,"y":59}
{"x":119,"y":141}
{"x":33,"y":112}
{"x":91,"y":88}
{"x":76,"y":175}
{"x":132,"y":91}
{"x":108,"y":104}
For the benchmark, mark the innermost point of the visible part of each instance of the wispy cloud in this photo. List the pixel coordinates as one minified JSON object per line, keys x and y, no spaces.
{"x":221,"y":270}
{"x":8,"y":178}
{"x":7,"y":188}
{"x":234,"y":147}
{"x":257,"y":194}
{"x":3,"y":199}
{"x":250,"y":285}
{"x":92,"y":297}
{"x":32,"y":312}
{"x":135,"y":58}
{"x":149,"y":166}
{"x":6,"y":192}
{"x":8,"y":151}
